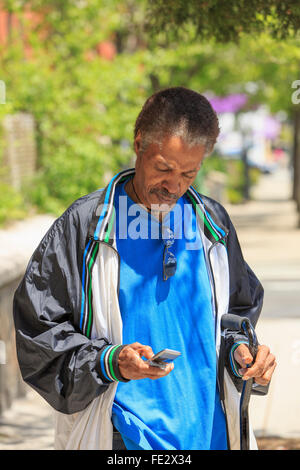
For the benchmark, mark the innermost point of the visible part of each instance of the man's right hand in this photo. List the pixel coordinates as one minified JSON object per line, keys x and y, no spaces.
{"x":133,"y":367}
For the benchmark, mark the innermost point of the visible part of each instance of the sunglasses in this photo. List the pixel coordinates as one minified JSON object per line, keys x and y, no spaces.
{"x":169,"y":260}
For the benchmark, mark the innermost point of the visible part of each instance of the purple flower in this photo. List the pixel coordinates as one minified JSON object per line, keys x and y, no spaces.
{"x":229,"y":103}
{"x":271,"y":128}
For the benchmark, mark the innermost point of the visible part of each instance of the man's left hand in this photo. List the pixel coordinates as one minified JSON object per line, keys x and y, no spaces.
{"x":263,"y":367}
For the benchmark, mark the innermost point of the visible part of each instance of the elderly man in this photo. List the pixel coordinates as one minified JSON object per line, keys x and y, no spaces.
{"x":145,"y":264}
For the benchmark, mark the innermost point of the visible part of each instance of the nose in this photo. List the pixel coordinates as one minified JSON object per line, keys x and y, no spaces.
{"x":172,"y":185}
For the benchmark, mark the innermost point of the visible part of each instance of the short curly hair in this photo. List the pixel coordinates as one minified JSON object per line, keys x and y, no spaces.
{"x":178,"y":111}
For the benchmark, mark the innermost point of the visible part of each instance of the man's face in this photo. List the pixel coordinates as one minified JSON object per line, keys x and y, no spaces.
{"x":164,"y":175}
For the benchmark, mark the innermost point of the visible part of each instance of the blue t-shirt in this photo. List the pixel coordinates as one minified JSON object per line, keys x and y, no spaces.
{"x":181,"y":411}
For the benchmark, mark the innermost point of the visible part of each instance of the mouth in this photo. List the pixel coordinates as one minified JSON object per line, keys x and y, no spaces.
{"x":166,"y":198}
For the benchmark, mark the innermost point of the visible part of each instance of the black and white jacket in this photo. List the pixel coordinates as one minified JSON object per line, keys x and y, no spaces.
{"x":66,"y":314}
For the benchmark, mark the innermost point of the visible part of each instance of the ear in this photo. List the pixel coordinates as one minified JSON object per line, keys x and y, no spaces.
{"x":137,"y":143}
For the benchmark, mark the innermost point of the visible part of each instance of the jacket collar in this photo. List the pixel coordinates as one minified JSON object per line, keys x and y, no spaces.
{"x":101,"y":227}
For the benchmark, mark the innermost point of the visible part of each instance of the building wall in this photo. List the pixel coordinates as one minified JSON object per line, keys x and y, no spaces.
{"x":20,"y":156}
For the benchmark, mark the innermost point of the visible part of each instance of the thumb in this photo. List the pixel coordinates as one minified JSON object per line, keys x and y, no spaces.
{"x":142,"y":350}
{"x":147,"y":352}
{"x":242,"y":355}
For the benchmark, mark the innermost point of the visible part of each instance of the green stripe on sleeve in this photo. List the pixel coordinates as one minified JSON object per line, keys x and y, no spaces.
{"x":90,"y":313}
{"x":111,"y":369}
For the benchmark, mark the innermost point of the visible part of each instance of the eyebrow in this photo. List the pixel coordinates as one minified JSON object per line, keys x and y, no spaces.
{"x":171,"y":168}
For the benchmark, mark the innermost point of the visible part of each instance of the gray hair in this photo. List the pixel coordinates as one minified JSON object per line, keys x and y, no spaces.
{"x":180,"y":112}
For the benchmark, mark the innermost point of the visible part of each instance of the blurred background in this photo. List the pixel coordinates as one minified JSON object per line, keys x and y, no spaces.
{"x":73,"y":78}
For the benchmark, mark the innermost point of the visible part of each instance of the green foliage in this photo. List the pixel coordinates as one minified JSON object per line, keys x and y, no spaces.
{"x":85,"y":106}
{"x":224,"y":21}
{"x":234,"y":177}
{"x":11,"y":204}
{"x":236,"y":180}
{"x":212,"y":163}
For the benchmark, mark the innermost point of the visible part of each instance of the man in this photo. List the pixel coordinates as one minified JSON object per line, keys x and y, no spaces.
{"x":106,"y":289}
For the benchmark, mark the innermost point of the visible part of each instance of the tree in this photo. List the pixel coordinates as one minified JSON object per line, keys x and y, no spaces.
{"x":222,"y":20}
{"x":84,"y":105}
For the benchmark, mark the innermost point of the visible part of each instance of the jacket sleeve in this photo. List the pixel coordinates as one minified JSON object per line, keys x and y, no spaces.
{"x":245,"y":296}
{"x":246,"y":299}
{"x":55,"y":358}
{"x":246,"y":291}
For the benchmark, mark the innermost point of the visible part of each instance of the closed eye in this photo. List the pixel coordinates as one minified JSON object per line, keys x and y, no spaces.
{"x":163,"y":170}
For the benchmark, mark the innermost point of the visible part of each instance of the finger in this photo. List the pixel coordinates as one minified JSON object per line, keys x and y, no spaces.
{"x":268,"y":364}
{"x":147,"y":352}
{"x":142,"y":349}
{"x":137,"y":368}
{"x":129,"y":357}
{"x":156,"y":369}
{"x":135,"y":345}
{"x":265,"y":378}
{"x":143,"y":371}
{"x":242,"y":355}
{"x":261,"y":363}
{"x":158,"y":373}
{"x":132,"y":366}
{"x":270,"y":361}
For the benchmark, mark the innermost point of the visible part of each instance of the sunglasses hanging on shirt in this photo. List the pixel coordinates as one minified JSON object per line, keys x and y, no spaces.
{"x":169,"y":259}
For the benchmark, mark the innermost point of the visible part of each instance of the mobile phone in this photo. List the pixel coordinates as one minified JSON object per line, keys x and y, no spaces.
{"x":162,"y":358}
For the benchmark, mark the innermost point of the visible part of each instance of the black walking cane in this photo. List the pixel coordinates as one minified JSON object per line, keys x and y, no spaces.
{"x":243,"y":324}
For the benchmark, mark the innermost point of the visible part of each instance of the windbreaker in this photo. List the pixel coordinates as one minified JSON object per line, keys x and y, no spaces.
{"x":66,"y":315}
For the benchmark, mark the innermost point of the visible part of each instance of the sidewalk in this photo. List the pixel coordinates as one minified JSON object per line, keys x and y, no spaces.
{"x":27,"y":425}
{"x":270,"y":243}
